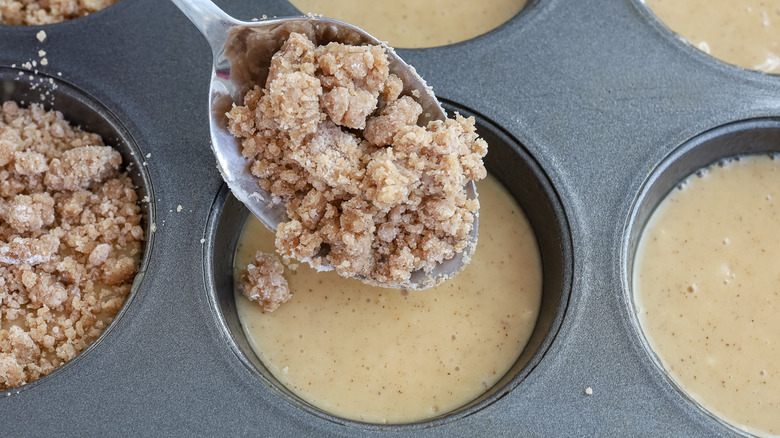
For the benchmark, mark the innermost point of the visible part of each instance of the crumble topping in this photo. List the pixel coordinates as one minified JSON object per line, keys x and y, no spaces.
{"x":263,"y":282}
{"x":70,"y":241}
{"x":35,"y":12}
{"x":366,"y":190}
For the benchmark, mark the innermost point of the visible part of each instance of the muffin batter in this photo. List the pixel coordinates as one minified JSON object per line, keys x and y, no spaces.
{"x":388,"y":356}
{"x":745,"y":32}
{"x":415,"y":24}
{"x":707,"y":292}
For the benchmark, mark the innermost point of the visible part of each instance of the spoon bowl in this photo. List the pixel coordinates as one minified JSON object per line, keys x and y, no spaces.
{"x":242,"y":54}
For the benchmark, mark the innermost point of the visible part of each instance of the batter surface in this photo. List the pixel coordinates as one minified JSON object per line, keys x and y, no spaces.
{"x":389,"y":356}
{"x":414,"y":23}
{"x":707,"y":290}
{"x":745,"y":32}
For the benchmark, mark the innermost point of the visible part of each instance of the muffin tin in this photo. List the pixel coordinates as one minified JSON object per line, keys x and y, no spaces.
{"x":595,"y":110}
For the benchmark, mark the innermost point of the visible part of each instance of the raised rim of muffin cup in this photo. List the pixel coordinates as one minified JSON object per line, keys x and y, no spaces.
{"x":526,"y":181}
{"x":760,"y":136}
{"x":81,"y":109}
{"x":651,"y":18}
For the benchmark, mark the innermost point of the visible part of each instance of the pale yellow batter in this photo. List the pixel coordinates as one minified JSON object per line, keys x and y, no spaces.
{"x":707,"y":290}
{"x":418,"y":23}
{"x":388,"y":356}
{"x":741,"y":32}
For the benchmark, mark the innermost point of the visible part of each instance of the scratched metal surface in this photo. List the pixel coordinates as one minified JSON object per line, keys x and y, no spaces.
{"x":597,"y":92}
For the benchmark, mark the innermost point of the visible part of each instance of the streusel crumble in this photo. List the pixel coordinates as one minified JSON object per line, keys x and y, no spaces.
{"x":35,"y":12}
{"x":70,"y":241}
{"x":263,"y":282}
{"x":366,"y":189}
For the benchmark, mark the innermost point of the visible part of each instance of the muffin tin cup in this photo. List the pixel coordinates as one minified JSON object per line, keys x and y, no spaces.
{"x":710,"y":148}
{"x":686,"y":46}
{"x":82,"y":110}
{"x":521,"y":176}
{"x":599,"y":95}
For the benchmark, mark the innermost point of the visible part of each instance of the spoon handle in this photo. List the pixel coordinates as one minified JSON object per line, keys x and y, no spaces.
{"x":210,"y":20}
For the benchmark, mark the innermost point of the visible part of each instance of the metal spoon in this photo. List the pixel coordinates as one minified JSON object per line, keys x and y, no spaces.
{"x":242,"y":56}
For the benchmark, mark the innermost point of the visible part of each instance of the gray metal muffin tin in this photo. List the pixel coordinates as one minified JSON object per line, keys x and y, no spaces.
{"x":594,"y":111}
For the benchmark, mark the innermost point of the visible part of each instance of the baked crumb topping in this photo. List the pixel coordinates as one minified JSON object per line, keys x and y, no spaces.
{"x":263,"y":282}
{"x":35,"y":12}
{"x":70,"y":241}
{"x":366,"y":190}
